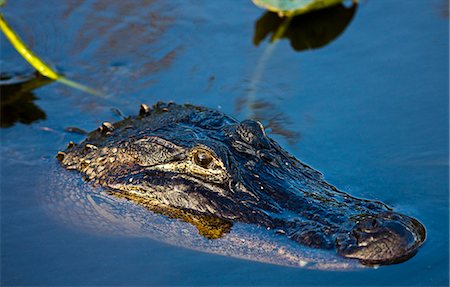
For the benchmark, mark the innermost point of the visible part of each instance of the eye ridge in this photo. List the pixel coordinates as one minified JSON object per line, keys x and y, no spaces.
{"x":203,"y":158}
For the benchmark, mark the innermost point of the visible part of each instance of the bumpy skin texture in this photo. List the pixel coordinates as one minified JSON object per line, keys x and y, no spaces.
{"x":206,"y":168}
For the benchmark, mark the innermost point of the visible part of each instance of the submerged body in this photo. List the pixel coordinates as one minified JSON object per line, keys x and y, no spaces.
{"x":207,"y":169}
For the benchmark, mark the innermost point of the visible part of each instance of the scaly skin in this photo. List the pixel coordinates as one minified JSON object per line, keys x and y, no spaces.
{"x":210,"y":170}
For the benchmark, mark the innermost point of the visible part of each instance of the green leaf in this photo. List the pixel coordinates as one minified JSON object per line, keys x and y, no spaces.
{"x":295,"y":7}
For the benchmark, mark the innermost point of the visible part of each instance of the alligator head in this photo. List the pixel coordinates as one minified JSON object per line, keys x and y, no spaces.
{"x":206,"y":168}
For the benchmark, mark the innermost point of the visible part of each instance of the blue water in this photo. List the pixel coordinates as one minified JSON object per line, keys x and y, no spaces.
{"x":370,"y":110}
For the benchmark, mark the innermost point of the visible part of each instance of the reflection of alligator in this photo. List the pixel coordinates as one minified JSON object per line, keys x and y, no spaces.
{"x":206,"y":168}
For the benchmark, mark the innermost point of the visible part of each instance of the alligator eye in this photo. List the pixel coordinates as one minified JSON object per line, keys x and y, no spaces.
{"x":203,"y":158}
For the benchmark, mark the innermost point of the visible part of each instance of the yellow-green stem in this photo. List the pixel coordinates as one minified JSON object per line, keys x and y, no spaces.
{"x":281,"y":29}
{"x":36,"y":62}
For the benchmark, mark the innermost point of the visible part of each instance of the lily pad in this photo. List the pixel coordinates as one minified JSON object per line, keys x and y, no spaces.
{"x":309,"y":31}
{"x":295,"y":7}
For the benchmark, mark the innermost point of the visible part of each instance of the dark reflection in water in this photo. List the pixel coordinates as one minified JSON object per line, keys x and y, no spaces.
{"x":309,"y":31}
{"x":17,"y":98}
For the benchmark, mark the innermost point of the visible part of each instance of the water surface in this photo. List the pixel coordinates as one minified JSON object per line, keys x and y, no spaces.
{"x":369,"y":109}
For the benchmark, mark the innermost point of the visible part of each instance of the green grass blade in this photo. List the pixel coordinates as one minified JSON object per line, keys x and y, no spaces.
{"x":26,"y":53}
{"x":36,"y":62}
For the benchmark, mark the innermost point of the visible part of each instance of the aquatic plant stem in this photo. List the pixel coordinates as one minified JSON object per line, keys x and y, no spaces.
{"x":262,"y":63}
{"x":26,"y":53}
{"x":79,"y":86}
{"x":281,"y":29}
{"x":256,"y":78}
{"x":36,"y":62}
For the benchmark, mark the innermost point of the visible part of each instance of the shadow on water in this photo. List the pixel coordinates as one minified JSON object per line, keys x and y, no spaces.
{"x":308,"y":31}
{"x":17,"y":98}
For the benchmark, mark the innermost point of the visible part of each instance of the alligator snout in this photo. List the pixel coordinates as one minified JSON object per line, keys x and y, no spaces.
{"x":386,"y":238}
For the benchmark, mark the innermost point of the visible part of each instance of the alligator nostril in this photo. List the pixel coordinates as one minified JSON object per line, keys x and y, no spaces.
{"x":385,"y":239}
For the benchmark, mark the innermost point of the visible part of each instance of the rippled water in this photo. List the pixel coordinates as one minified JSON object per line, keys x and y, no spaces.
{"x":367,"y":106}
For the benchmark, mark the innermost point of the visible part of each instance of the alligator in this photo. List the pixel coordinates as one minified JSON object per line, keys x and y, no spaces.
{"x":205,"y":168}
